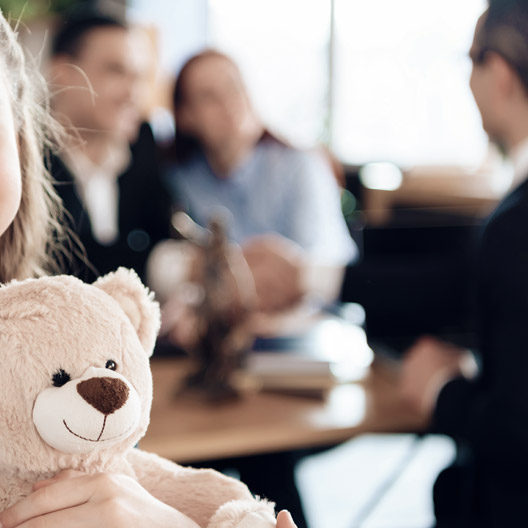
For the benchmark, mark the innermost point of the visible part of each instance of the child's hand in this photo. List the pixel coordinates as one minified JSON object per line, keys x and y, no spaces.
{"x":73,"y":499}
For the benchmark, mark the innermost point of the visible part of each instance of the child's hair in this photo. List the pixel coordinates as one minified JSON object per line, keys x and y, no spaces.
{"x":26,"y":249}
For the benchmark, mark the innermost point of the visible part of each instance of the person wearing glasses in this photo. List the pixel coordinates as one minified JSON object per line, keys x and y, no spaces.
{"x":487,"y":414}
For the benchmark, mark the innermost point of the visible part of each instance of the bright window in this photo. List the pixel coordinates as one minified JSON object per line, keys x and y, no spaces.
{"x":401,"y":85}
{"x":400,"y":78}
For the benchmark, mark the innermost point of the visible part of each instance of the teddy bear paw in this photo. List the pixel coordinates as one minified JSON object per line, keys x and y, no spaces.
{"x":244,"y":514}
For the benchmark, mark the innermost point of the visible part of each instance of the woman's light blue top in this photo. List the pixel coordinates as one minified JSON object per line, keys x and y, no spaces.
{"x":277,"y":189}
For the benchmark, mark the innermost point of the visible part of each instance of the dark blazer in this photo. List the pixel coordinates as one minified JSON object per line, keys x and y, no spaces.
{"x":488,"y":484}
{"x":143,"y":213}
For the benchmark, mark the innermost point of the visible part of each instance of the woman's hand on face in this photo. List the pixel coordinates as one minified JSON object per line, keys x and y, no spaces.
{"x":72,"y":499}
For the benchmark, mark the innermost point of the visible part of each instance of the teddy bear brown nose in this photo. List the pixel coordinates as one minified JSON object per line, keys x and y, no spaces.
{"x":107,"y":395}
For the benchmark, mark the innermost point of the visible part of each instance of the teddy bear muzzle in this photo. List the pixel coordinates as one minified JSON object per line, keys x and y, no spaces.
{"x":95,"y":411}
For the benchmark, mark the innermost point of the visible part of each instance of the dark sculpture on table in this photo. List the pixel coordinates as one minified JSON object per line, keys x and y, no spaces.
{"x":228,"y":299}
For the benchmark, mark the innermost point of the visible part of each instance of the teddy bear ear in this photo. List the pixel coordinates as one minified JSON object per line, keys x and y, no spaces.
{"x":138,"y":303}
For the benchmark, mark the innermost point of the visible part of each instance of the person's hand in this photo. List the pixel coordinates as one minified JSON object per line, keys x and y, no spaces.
{"x":277,"y":265}
{"x":284,"y":520}
{"x":428,"y":365}
{"x":179,"y":318}
{"x":72,"y":499}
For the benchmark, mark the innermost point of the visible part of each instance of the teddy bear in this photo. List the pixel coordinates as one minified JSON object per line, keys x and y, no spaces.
{"x":76,"y":392}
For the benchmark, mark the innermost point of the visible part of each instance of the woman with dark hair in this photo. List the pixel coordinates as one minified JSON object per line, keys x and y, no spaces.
{"x":279,"y":203}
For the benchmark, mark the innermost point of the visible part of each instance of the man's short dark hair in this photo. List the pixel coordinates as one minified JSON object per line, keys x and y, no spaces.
{"x":76,"y":24}
{"x":505,"y":31}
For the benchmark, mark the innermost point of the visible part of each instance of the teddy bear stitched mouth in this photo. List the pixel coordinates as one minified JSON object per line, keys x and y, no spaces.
{"x":100,"y":434}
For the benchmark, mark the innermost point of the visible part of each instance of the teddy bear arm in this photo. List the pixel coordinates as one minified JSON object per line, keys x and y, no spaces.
{"x":209,"y":498}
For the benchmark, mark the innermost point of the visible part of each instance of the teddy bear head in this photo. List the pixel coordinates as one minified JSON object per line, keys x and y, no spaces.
{"x":75,"y":382}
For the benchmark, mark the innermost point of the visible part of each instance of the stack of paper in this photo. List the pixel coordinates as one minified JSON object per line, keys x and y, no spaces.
{"x":290,"y":371}
{"x":334,"y":353}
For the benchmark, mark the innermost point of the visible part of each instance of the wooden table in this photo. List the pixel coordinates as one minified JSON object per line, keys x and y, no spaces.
{"x":188,"y":429}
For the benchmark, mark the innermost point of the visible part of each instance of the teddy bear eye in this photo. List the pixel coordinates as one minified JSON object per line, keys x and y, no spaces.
{"x":111,"y":364}
{"x":60,"y":378}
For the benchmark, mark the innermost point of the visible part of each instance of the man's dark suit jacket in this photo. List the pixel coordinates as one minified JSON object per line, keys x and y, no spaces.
{"x":143,"y":213}
{"x":488,"y":483}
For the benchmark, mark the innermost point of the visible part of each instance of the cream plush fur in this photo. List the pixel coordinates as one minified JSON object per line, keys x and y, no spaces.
{"x":76,"y":392}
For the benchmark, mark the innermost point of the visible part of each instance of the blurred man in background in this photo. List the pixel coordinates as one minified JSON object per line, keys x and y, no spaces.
{"x":107,"y":174}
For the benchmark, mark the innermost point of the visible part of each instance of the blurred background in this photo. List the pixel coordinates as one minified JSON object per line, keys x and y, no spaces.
{"x":383,"y":86}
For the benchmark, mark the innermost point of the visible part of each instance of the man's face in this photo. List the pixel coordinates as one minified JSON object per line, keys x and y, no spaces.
{"x":108,"y":64}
